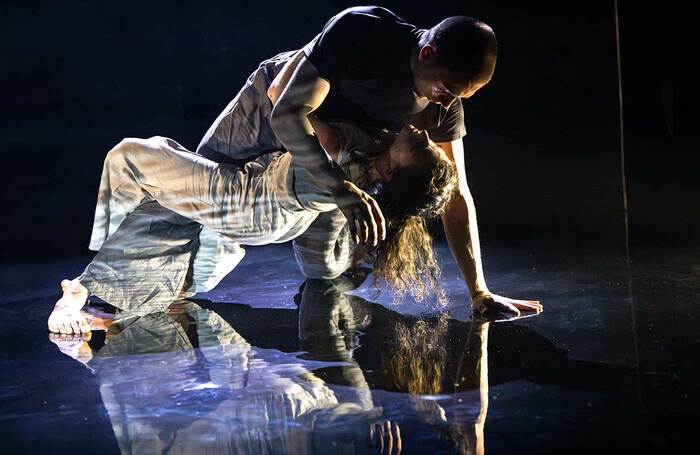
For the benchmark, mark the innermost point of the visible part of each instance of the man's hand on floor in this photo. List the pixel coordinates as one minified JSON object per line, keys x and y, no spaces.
{"x":489,"y":302}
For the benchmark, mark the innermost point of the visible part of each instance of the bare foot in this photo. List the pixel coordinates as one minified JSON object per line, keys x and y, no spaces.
{"x":66,"y":316}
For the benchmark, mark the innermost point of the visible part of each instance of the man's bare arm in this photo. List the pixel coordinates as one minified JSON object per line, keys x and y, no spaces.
{"x":326,"y":134}
{"x":282,"y":79}
{"x":462,"y":232}
{"x":302,"y":94}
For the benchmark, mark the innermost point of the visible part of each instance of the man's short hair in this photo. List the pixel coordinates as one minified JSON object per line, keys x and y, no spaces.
{"x":463,"y":44}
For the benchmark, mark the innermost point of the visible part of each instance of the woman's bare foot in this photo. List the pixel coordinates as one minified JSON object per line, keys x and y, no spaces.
{"x":66,"y":316}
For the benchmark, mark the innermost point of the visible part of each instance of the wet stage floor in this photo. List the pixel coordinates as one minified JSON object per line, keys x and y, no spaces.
{"x":268,"y":363}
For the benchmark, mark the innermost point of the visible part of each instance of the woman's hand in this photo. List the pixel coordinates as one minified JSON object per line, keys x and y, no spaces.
{"x":488,"y":302}
{"x":365,"y":218}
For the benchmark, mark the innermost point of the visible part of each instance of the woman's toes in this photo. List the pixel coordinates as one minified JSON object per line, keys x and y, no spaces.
{"x":86,"y":327}
{"x":66,"y":328}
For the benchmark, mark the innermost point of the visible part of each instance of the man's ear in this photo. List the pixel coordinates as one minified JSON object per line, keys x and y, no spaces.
{"x":426,"y":52}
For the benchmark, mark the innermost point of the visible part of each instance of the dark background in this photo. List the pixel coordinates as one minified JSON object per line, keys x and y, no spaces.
{"x":543,"y":151}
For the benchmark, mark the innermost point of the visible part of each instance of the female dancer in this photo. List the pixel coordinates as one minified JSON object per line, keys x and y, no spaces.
{"x":156,"y":187}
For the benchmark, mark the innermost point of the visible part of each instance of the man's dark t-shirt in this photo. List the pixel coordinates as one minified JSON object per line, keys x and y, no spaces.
{"x":364,"y":52}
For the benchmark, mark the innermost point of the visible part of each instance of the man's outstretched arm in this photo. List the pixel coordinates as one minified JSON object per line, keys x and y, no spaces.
{"x":461,"y":230}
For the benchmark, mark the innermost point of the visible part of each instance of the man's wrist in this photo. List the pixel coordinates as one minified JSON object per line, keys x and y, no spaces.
{"x":480,"y":292}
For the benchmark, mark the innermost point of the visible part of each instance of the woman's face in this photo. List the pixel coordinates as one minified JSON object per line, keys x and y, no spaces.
{"x":408,"y":143}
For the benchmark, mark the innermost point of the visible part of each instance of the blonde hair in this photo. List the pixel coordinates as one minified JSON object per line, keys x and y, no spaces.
{"x":405,"y":259}
{"x":416,"y":360}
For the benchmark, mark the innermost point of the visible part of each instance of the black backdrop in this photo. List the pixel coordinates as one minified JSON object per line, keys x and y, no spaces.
{"x":543,"y":147}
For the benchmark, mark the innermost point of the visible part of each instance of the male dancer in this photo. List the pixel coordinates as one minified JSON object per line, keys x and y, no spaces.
{"x":370,"y":68}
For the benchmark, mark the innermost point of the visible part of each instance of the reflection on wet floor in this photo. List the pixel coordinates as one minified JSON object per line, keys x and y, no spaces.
{"x":335,"y":372}
{"x":185,"y":380}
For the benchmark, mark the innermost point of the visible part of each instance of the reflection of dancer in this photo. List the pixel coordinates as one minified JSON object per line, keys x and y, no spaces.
{"x":271,"y":199}
{"x":413,"y":356}
{"x":417,"y":362}
{"x":220,"y":394}
{"x":435,"y":356}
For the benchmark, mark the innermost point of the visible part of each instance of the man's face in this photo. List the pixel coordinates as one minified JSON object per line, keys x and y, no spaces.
{"x":444,"y":90}
{"x":439,"y":85}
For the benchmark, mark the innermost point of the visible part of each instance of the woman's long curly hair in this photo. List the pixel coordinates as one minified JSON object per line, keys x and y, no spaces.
{"x":415,"y":194}
{"x":415,"y":359}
